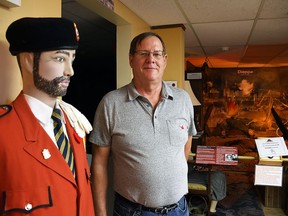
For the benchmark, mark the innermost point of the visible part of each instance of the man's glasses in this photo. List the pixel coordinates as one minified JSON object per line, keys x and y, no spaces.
{"x":145,"y":54}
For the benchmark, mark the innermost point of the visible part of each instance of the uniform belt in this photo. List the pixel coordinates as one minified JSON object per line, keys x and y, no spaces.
{"x":159,"y":210}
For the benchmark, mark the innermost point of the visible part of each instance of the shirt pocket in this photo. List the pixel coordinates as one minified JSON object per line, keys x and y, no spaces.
{"x":26,"y":201}
{"x":178,"y":131}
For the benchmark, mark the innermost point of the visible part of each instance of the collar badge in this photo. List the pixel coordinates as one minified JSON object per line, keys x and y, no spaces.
{"x":46,"y":154}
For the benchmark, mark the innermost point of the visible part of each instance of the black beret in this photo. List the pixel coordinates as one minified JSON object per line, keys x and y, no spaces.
{"x":42,"y":34}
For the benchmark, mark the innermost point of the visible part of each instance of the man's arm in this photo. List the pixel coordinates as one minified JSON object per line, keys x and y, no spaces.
{"x":188,"y":147}
{"x":99,"y":171}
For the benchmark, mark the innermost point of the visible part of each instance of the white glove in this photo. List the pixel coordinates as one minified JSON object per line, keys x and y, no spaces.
{"x":78,"y":121}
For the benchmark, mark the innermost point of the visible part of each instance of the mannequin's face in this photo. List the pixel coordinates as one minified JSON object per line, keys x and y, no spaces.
{"x":52,"y":71}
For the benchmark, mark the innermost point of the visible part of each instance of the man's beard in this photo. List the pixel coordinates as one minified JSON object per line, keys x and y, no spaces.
{"x":51,"y":87}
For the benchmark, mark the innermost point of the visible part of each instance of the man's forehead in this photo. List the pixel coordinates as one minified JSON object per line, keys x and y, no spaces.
{"x":155,"y":42}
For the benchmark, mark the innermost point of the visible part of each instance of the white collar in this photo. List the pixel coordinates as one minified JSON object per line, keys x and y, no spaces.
{"x":40,"y":110}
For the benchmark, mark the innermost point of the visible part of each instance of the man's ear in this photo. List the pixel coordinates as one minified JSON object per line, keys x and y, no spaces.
{"x":26,"y":62}
{"x":130,"y":60}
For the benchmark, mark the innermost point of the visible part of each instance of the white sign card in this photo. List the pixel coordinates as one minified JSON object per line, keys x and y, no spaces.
{"x":271,"y":146}
{"x":268,"y":175}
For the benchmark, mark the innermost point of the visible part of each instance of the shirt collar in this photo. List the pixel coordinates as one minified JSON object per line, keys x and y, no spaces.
{"x":166,"y":91}
{"x":41,"y":111}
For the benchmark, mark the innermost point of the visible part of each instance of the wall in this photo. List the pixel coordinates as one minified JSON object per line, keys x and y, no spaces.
{"x":10,"y":78}
{"x":173,"y":37}
{"x":125,"y":33}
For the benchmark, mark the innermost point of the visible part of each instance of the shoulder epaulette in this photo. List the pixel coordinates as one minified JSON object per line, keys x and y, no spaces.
{"x":4,"y":110}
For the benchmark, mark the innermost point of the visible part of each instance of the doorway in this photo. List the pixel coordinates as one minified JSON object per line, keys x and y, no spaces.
{"x":95,"y":63}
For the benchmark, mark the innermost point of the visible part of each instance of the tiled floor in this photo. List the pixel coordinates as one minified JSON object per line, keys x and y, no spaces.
{"x":273,"y":212}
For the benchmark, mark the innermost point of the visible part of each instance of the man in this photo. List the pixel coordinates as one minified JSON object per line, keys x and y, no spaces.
{"x":35,"y":178}
{"x":147,"y":126}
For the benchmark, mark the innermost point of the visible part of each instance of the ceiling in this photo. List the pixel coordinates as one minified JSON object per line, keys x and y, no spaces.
{"x":224,"y":33}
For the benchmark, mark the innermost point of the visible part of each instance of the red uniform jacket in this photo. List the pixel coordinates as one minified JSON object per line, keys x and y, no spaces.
{"x":29,"y":183}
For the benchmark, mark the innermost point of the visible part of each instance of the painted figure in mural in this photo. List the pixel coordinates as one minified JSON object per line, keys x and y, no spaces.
{"x":36,"y":179}
{"x":147,"y":127}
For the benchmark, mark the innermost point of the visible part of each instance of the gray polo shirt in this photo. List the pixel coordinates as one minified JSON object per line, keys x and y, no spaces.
{"x":147,"y":146}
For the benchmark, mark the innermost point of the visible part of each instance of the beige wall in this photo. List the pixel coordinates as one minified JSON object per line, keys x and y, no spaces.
{"x":125,"y":33}
{"x":174,"y":40}
{"x":10,"y":78}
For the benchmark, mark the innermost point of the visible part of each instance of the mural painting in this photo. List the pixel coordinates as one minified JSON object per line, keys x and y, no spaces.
{"x":240,"y":105}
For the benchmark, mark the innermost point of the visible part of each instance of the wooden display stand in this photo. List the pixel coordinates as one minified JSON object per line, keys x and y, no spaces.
{"x":272,"y":196}
{"x":275,"y":161}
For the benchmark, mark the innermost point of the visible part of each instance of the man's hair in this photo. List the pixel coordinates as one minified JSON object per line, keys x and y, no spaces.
{"x":139,"y":38}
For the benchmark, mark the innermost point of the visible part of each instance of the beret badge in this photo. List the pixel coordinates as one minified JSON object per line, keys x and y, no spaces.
{"x":77,"y":33}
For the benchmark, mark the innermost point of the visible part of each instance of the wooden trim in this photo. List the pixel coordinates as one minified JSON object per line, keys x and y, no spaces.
{"x":169,"y":26}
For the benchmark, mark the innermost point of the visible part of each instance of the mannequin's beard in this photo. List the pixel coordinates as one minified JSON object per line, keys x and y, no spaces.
{"x":51,"y":87}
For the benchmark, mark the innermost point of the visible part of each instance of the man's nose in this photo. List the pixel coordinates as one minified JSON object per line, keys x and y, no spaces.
{"x":150,"y":57}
